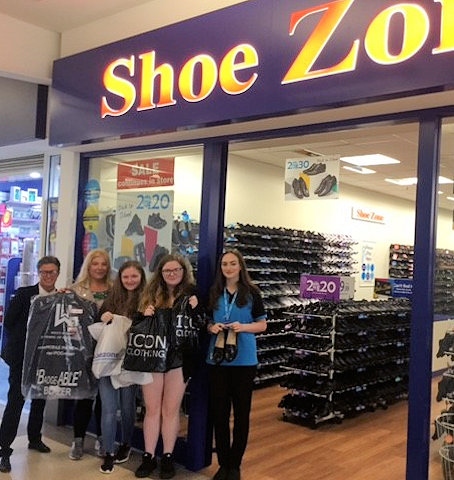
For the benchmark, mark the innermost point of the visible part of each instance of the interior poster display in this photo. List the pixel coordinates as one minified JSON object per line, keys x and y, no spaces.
{"x":367,"y":277}
{"x":312,"y":178}
{"x":143,"y":228}
{"x":53,"y":217}
{"x":90,"y":217}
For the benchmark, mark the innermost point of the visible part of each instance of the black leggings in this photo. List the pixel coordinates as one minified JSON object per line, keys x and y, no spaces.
{"x":231,"y":387}
{"x":83,"y":410}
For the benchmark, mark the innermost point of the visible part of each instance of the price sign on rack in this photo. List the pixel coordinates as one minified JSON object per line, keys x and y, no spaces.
{"x":321,"y":287}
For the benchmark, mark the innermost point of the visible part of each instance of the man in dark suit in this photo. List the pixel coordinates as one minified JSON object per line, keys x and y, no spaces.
{"x":13,"y":346}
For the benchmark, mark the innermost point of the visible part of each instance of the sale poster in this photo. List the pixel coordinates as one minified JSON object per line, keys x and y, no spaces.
{"x":143,"y":228}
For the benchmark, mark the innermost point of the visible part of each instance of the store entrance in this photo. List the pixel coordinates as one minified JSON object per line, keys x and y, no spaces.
{"x":322,"y":216}
{"x":21,"y":187}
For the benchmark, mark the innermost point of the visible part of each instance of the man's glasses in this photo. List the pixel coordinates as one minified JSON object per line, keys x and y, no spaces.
{"x":172,"y":271}
{"x":48,"y":273}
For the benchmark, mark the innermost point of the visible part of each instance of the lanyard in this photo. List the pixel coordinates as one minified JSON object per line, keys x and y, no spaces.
{"x":228,"y":305}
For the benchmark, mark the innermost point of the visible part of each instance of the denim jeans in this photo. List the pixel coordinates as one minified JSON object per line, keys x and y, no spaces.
{"x":112,"y":400}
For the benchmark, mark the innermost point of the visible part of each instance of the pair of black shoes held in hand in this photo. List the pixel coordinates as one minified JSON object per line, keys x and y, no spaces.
{"x":225,"y":347}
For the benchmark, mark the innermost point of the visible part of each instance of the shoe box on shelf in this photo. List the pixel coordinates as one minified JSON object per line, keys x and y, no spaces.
{"x":276,"y":258}
{"x":348,"y":357}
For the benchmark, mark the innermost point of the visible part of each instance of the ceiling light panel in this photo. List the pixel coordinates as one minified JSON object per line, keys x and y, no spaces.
{"x":369,"y":160}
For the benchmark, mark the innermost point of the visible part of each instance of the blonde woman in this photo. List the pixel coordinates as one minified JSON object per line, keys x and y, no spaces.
{"x":93,"y":283}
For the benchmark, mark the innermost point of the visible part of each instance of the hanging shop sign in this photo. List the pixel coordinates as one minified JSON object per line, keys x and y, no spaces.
{"x":154,"y":172}
{"x":257,"y":59}
{"x":312,"y":177}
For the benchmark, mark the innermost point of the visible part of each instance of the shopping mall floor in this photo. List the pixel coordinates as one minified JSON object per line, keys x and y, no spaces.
{"x":371,"y":445}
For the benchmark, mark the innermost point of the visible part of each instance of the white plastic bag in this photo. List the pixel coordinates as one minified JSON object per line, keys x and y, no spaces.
{"x":111,"y":345}
{"x":128,"y":377}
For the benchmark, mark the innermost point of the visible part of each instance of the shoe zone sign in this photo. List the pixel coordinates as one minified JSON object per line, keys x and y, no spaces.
{"x":312,"y":178}
{"x":257,"y":59}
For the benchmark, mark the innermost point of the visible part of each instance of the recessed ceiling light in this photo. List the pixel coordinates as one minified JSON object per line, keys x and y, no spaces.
{"x":361,"y":170}
{"x":405,"y":182}
{"x":450,"y":198}
{"x":368,"y":160}
{"x":444,"y":180}
{"x":35,"y":175}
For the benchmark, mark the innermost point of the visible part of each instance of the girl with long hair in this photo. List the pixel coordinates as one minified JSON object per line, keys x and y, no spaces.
{"x":237,"y":315}
{"x":123,"y":300}
{"x":172,"y":282}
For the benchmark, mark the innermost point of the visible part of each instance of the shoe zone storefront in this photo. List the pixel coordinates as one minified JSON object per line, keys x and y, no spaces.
{"x":179,"y":101}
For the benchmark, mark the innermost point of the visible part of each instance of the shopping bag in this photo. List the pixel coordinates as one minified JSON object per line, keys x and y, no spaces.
{"x":149,"y":343}
{"x":127,"y":377}
{"x":59,"y":348}
{"x":186,"y":327}
{"x":110,"y":348}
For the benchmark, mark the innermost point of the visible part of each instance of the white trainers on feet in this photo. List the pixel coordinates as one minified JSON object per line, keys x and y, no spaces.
{"x":99,"y":447}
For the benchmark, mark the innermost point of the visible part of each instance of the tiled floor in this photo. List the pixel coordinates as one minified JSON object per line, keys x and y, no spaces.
{"x":30,"y":465}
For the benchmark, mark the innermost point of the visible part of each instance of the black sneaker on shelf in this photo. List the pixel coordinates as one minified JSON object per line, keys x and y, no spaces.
{"x":5,"y":465}
{"x":39,"y":446}
{"x":108,"y":464}
{"x":167,"y":466}
{"x":123,"y":453}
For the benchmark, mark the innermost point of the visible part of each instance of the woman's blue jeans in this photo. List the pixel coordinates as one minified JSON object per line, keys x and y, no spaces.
{"x":112,"y":400}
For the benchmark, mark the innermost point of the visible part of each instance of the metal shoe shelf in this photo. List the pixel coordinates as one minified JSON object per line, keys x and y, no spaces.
{"x":401,"y":266}
{"x":276,"y":258}
{"x":352,"y":361}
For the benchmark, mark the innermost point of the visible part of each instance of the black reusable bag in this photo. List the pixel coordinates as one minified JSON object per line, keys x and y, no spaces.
{"x":186,"y":327}
{"x":149,"y":343}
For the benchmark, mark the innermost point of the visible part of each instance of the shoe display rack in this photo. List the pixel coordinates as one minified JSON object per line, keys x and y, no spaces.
{"x":446,"y":384}
{"x":444,"y":423}
{"x":444,"y":282}
{"x":276,"y":258}
{"x":348,"y":357}
{"x":401,"y":266}
{"x":401,"y":261}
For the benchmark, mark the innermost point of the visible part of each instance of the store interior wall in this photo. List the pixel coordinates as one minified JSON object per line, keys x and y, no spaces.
{"x":255,"y":195}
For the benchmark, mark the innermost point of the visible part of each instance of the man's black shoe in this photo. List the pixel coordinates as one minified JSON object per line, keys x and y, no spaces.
{"x":39,"y":446}
{"x":5,"y":465}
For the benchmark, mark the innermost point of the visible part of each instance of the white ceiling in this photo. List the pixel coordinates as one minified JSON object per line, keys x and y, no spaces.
{"x":62,"y":15}
{"x":397,"y":141}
